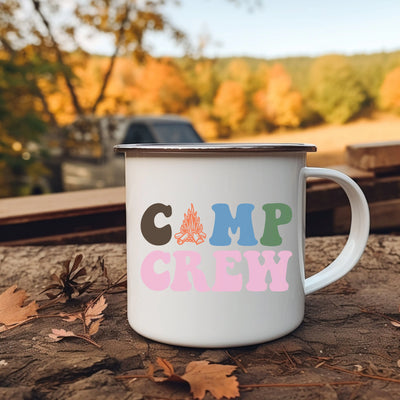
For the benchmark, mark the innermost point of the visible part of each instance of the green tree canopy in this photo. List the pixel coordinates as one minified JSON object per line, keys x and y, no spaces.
{"x":336,"y":93}
{"x":20,"y":130}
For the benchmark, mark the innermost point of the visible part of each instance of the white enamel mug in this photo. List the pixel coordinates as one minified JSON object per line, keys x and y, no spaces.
{"x":215,"y":241}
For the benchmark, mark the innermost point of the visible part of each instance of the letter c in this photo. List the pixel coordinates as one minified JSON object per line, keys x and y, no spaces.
{"x":153,"y":234}
{"x":152,"y":279}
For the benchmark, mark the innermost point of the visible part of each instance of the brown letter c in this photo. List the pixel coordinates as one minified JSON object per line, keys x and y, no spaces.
{"x":153,"y":234}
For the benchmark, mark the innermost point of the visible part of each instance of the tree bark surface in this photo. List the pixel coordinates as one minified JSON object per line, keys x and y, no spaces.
{"x":346,"y":327}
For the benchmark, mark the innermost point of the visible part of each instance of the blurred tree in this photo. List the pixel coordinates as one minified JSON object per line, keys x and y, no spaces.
{"x":238,"y":70}
{"x":390,"y":91}
{"x":250,"y":79}
{"x":57,"y":32}
{"x":204,"y":81}
{"x":161,"y":89}
{"x":204,"y":122}
{"x":229,"y":107}
{"x":336,"y":93}
{"x":48,"y":43}
{"x":56,"y":28}
{"x":20,"y":130}
{"x":280,"y":105}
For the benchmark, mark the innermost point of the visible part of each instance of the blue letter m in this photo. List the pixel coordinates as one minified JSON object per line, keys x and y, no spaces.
{"x":224,"y":221}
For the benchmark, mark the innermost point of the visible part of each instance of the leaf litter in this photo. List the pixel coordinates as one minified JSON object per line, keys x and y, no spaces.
{"x":91,"y":318}
{"x":73,"y":280}
{"x":12,"y":308}
{"x":69,"y":282}
{"x":201,"y":376}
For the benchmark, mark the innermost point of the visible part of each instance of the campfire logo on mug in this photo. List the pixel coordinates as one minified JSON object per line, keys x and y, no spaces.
{"x":191,"y":228}
{"x":187,"y":262}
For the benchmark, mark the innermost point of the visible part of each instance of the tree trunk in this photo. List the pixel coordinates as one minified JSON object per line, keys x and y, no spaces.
{"x":108,"y":73}
{"x":71,"y":89}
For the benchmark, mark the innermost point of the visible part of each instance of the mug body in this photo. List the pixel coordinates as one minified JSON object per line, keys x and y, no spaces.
{"x":215,"y":242}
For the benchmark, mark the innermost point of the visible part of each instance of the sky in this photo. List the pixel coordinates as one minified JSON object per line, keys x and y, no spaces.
{"x":282,"y":28}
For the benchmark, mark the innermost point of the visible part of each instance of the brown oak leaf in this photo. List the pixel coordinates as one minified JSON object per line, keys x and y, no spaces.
{"x":202,"y":377}
{"x":12,"y":309}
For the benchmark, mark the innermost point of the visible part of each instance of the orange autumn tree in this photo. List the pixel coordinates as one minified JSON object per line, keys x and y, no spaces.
{"x":160,"y":88}
{"x":389,"y":92}
{"x":120,"y":92}
{"x":230,"y":107}
{"x":88,"y":75}
{"x":201,"y":77}
{"x":238,"y":70}
{"x":278,"y":102}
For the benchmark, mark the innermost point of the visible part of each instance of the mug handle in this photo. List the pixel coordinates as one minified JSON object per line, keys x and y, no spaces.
{"x":359,"y":230}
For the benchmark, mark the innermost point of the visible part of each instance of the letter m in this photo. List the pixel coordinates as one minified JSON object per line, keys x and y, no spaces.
{"x":224,"y":221}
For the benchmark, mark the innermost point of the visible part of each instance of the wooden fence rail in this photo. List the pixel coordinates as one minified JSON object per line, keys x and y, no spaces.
{"x":99,"y":215}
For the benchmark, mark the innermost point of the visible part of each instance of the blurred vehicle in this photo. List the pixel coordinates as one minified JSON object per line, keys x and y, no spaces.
{"x":89,"y":160}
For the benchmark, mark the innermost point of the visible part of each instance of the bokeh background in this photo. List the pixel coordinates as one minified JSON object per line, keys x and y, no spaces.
{"x":321,"y":72}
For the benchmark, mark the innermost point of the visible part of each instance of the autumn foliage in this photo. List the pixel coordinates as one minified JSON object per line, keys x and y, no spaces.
{"x":235,"y":100}
{"x":47,"y":75}
{"x":390,"y":91}
{"x":278,"y":102}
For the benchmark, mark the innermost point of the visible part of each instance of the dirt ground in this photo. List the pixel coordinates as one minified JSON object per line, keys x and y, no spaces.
{"x":331,"y":140}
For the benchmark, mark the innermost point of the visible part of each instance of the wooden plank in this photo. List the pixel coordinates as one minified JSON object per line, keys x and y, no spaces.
{"x":385,"y":216}
{"x":55,"y":205}
{"x":354,"y":173}
{"x":325,"y":196}
{"x":110,"y":235}
{"x":383,"y":156}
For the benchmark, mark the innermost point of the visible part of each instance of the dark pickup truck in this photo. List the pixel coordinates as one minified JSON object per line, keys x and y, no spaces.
{"x":89,"y":160}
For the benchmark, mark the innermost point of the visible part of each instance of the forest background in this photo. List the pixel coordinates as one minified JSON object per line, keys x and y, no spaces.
{"x":48,"y":80}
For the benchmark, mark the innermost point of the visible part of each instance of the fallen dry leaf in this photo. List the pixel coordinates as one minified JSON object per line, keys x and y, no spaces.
{"x":59,"y":334}
{"x":202,"y":377}
{"x":168,"y":370}
{"x":12,"y":309}
{"x":91,"y":319}
{"x":95,"y":311}
{"x":94,"y":327}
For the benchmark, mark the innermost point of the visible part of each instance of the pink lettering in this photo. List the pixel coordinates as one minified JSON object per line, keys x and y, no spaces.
{"x":258,"y":271}
{"x":223,"y":281}
{"x":181,"y":282}
{"x":150,"y":278}
{"x":189,"y":276}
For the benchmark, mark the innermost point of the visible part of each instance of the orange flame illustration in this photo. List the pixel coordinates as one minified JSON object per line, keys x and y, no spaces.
{"x":191,"y":228}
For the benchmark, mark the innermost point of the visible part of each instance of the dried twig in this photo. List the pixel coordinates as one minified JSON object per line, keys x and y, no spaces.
{"x":236,"y":361}
{"x":361,"y":374}
{"x":379,"y":314}
{"x":292,"y":363}
{"x":298,"y":385}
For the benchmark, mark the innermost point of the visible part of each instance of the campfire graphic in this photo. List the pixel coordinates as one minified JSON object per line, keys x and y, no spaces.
{"x":191,"y":228}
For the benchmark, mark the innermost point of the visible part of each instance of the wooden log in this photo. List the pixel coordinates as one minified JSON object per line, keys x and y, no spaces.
{"x":378,"y":157}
